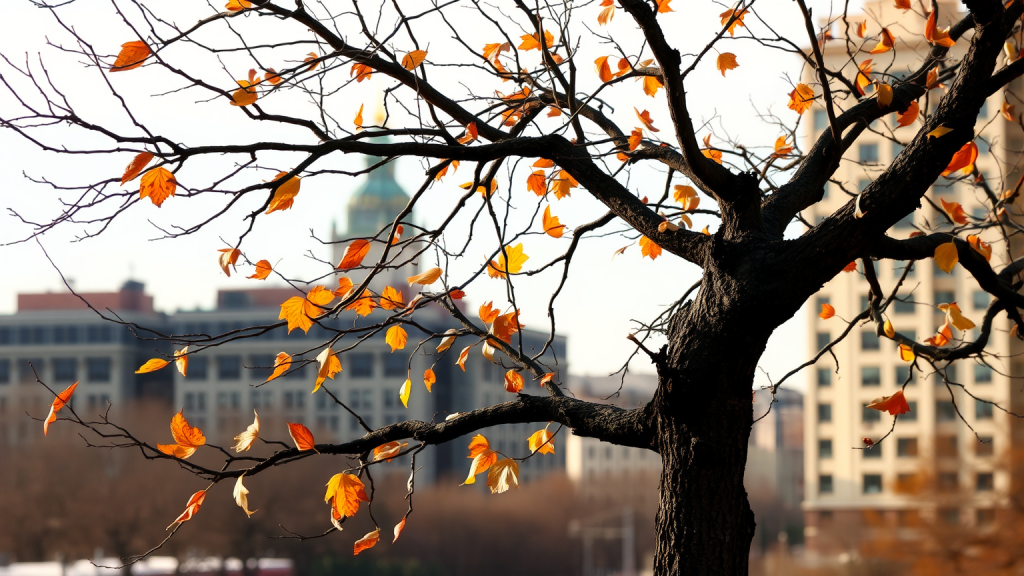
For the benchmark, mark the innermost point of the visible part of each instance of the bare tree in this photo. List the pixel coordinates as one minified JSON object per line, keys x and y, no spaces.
{"x":753,"y":279}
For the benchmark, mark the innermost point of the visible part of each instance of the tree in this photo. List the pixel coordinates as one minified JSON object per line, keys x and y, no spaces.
{"x":753,"y":280}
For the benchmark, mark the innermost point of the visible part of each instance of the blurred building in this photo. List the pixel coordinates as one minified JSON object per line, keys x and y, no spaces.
{"x":154,"y":566}
{"x":849,"y":487}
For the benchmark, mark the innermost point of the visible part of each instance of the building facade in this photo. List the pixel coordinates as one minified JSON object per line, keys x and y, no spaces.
{"x":849,"y":484}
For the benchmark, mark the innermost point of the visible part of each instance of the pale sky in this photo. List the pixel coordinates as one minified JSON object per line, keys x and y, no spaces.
{"x":597,"y":305}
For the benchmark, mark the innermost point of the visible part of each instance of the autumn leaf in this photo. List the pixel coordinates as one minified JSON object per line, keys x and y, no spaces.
{"x":939,"y":132}
{"x":884,"y":95}
{"x":131,"y":56}
{"x":471,"y":134}
{"x":396,"y":337}
{"x":542,"y":442}
{"x":241,"y":496}
{"x":181,"y":360}
{"x":563,"y":184}
{"x":932,"y":79}
{"x":492,"y":51}
{"x":302,"y":437}
{"x":537,"y":183}
{"x":228,"y":257}
{"x":281,"y":364}
{"x":236,"y":6}
{"x":388,"y":450}
{"x":152,"y":365}
{"x":158,"y":185}
{"x":187,"y":438}
{"x":651,"y":85}
{"x":946,"y":257}
{"x":429,"y":379}
{"x":552,"y":227}
{"x":245,"y":95}
{"x":413,"y":59}
{"x":516,"y":259}
{"x":505,"y":325}
{"x":894,"y":405}
{"x":886,"y":42}
{"x":59,"y":402}
{"x":366,"y":542}
{"x":504,"y":475}
{"x":726,"y":61}
{"x":851,"y":267}
{"x":781,"y":147}
{"x":954,"y":210}
{"x":299,"y":311}
{"x":889,"y":330}
{"x":391,"y":299}
{"x":906,"y":353}
{"x":1009,"y":111}
{"x":354,"y":254}
{"x":312,"y":57}
{"x":513,"y":382}
{"x":607,"y":12}
{"x":738,"y":22}
{"x":963,"y":160}
{"x":942,"y":337}
{"x":956,"y":317}
{"x":361,"y":72}
{"x":398,"y":530}
{"x":272,"y":76}
{"x":827,"y":311}
{"x":907,"y":117}
{"x":425,"y":278}
{"x":346,"y":491}
{"x":862,"y":28}
{"x":488,"y":313}
{"x":405,"y":391}
{"x":462,"y":358}
{"x":980,"y":246}
{"x":801,"y":98}
{"x":604,"y":71}
{"x":263,"y":270}
{"x":363,"y":305}
{"x":194,"y":502}
{"x":645,"y":119}
{"x":863,"y":76}
{"x":935,"y":35}
{"x":135,"y":167}
{"x":663,"y":6}
{"x":532,"y":42}
{"x":649,"y":249}
{"x":482,"y":455}
{"x":329,"y":364}
{"x":244,"y":441}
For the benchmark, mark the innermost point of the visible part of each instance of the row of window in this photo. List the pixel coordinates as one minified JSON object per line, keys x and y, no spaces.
{"x":263,"y":398}
{"x":261,"y":366}
{"x":904,"y":303}
{"x":94,"y":369}
{"x":820,"y":119}
{"x":912,"y":518}
{"x":945,"y":447}
{"x":946,"y":481}
{"x":945,"y":411}
{"x":872,"y":375}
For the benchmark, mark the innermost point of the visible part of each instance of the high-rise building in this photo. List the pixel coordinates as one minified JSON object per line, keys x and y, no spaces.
{"x":849,"y":485}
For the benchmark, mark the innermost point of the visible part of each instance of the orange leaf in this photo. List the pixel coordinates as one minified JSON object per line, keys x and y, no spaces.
{"x":827,"y":311}
{"x":885,"y":43}
{"x":157,"y":184}
{"x":361,"y":72}
{"x":388,"y":450}
{"x":358,"y":120}
{"x":980,"y":246}
{"x":726,"y":61}
{"x":513,"y":382}
{"x":645,"y":119}
{"x":635,"y":137}
{"x":194,"y":502}
{"x":652,"y":85}
{"x":347,"y":491}
{"x":228,"y":257}
{"x":391,"y":299}
{"x":136,"y":166}
{"x":505,"y":325}
{"x":542,"y":442}
{"x":462,"y":358}
{"x":184,"y":434}
{"x":281,"y":364}
{"x":532,"y":42}
{"x":663,"y":6}
{"x":482,"y":455}
{"x":738,"y":22}
{"x":471,"y":134}
{"x":781,"y":148}
{"x":152,"y":365}
{"x":413,"y":59}
{"x":492,"y":51}
{"x":398,"y":530}
{"x":396,"y":337}
{"x":263,"y":270}
{"x":312,"y":57}
{"x":955,"y":211}
{"x":851,"y":267}
{"x":607,"y":13}
{"x":504,"y":475}
{"x":894,"y":405}
{"x":537,"y":183}
{"x":429,"y":379}
{"x":397,"y":237}
{"x":273,"y":77}
{"x":488,"y":313}
{"x":946,"y":257}
{"x":1009,"y":111}
{"x":354,"y":254}
{"x":963,"y":160}
{"x":58,"y":402}
{"x":132,"y":55}
{"x":649,"y":249}
{"x":329,"y":366}
{"x":884,"y":95}
{"x":862,"y":28}
{"x":932,"y":80}
{"x":302,"y":437}
{"x":801,"y":98}
{"x":345,"y":286}
{"x":366,"y":542}
{"x":552,"y":227}
{"x":907,"y":117}
{"x":546,"y":378}
{"x":516,"y":259}
{"x":936,"y":35}
{"x":363,"y":305}
{"x":175,"y":450}
{"x":237,"y":5}
{"x":425,"y":278}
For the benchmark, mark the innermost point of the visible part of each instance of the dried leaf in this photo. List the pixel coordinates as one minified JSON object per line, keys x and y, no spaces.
{"x":244,"y":441}
{"x":894,"y":405}
{"x":241,"y":496}
{"x":136,"y":166}
{"x":946,"y":257}
{"x":281,"y":364}
{"x":542,"y":442}
{"x":503,"y":475}
{"x":329,"y":364}
{"x":726,"y":61}
{"x":158,"y":185}
{"x":552,"y":227}
{"x":263,"y":270}
{"x":426,"y":278}
{"x":827,"y":311}
{"x":194,"y":502}
{"x":885,"y":43}
{"x":366,"y":542}
{"x":429,"y":379}
{"x":131,"y":56}
{"x":801,"y":98}
{"x":404,"y":391}
{"x":302,"y":437}
{"x":59,"y":402}
{"x":513,"y":382}
{"x":354,"y":254}
{"x":152,"y":365}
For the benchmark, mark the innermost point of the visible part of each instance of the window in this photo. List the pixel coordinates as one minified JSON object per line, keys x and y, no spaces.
{"x":945,"y":411}
{"x":870,"y":415}
{"x":985,"y":482}
{"x":912,"y":415}
{"x":294,"y":399}
{"x":902,"y":375}
{"x":197,"y":367}
{"x":869,"y":153}
{"x":229,"y":367}
{"x":25,"y":373}
{"x":361,"y":365}
{"x":6,"y":336}
{"x":823,"y":339}
{"x":946,"y":446}
{"x":824,"y":449}
{"x":97,"y":333}
{"x":65,"y":334}
{"x":868,"y":340}
{"x":354,"y":396}
{"x":901,"y":306}
{"x":98,"y":369}
{"x":820,"y":119}
{"x":982,"y":374}
{"x":367,"y":400}
{"x":873,"y":452}
{"x":982,"y":410}
{"x":984,"y":446}
{"x":870,"y":376}
{"x":944,"y":297}
{"x":5,"y":371}
{"x":824,"y":412}
{"x":872,"y":483}
{"x":950,"y":516}
{"x":195,"y":401}
{"x":261,"y":398}
{"x":395,"y":364}
{"x":985,"y":517}
{"x":825,"y":484}
{"x":906,"y":447}
{"x":824,"y":376}
{"x":65,"y":369}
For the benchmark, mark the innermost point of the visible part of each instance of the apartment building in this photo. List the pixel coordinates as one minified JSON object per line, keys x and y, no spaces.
{"x":848,"y":485}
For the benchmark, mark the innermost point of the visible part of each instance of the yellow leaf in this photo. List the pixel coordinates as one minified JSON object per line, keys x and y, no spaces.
{"x":429,"y":379}
{"x":329,"y":366}
{"x":426,"y":278}
{"x":503,"y":475}
{"x":542,"y":442}
{"x":281,"y":364}
{"x":152,"y":365}
{"x":516,"y":259}
{"x":889,"y":330}
{"x":946,"y":257}
{"x":884,"y":95}
{"x":801,"y":98}
{"x":284,"y":195}
{"x":404,"y":391}
{"x":396,"y":337}
{"x":391,"y":299}
{"x":906,"y":353}
{"x":939,"y":132}
{"x":347,"y":491}
{"x":181,"y":360}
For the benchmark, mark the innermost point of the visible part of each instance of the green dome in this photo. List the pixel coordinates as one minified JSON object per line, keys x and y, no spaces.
{"x":378,"y":201}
